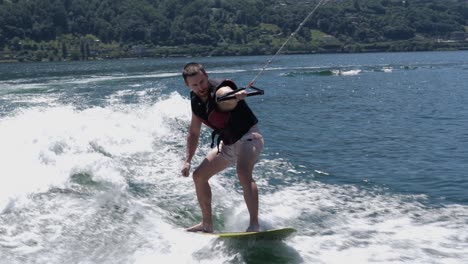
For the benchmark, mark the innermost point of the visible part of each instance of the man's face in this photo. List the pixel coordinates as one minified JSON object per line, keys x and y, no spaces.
{"x":198,"y":84}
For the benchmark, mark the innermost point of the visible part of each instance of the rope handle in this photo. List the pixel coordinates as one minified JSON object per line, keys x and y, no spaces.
{"x":231,"y":95}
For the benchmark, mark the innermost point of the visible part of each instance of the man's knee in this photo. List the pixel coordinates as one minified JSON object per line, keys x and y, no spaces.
{"x":198,"y":176}
{"x":245,"y":179}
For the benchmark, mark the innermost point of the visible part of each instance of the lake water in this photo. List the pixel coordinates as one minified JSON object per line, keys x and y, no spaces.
{"x":365,"y":154}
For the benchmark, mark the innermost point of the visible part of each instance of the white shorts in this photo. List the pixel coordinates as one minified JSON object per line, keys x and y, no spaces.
{"x":252,"y":139}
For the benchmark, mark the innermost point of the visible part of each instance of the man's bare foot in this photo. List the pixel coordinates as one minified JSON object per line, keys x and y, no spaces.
{"x":200,"y":228}
{"x":253,"y":228}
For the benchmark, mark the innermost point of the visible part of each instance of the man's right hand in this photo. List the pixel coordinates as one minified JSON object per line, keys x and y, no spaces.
{"x":186,"y":169}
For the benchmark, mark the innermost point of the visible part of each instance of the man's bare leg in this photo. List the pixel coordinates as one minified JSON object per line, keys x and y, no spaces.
{"x":247,"y":157}
{"x":251,"y":200}
{"x":212,"y":164}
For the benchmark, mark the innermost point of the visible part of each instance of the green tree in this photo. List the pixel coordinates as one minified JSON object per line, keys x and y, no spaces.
{"x":64,"y":50}
{"x":398,"y":32}
{"x":357,"y":5}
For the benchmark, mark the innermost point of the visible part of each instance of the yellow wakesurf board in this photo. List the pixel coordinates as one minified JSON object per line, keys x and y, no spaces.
{"x":272,"y":234}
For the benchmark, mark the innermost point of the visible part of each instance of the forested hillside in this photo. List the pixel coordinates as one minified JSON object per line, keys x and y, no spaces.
{"x":93,"y":29}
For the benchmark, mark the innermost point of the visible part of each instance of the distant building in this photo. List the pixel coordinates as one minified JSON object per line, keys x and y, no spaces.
{"x":138,"y":50}
{"x":459,"y":36}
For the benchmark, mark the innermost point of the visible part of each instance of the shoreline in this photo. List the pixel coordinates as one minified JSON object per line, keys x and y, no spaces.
{"x":207,"y":51}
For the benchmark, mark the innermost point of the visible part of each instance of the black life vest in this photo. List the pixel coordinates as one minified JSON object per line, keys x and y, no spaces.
{"x":229,"y":126}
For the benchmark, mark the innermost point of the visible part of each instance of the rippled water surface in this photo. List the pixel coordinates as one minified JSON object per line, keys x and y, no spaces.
{"x":365,"y":154}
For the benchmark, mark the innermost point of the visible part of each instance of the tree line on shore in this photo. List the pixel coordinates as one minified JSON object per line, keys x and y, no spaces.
{"x":93,"y":29}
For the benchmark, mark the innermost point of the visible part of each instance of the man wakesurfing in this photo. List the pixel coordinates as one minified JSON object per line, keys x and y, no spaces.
{"x":239,"y":140}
